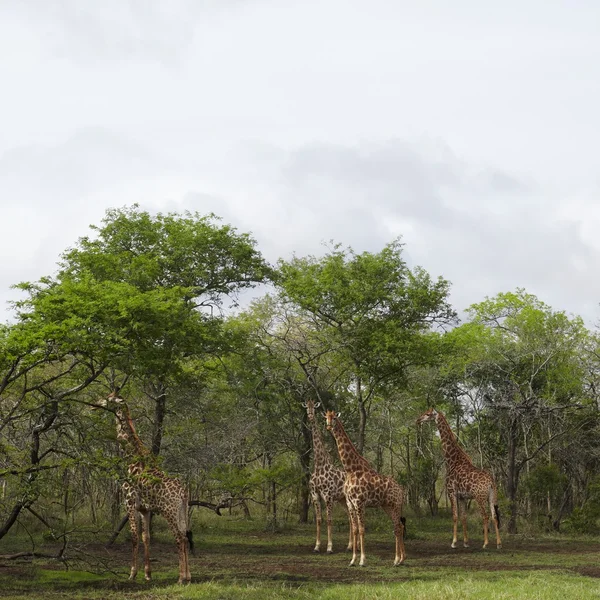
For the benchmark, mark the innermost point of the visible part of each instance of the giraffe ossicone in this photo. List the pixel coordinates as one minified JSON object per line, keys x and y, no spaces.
{"x":464,"y":481}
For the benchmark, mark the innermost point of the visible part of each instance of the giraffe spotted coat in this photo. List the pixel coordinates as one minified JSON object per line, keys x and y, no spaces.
{"x":464,"y":481}
{"x":326,"y":483}
{"x":147,"y":489}
{"x":365,"y":487}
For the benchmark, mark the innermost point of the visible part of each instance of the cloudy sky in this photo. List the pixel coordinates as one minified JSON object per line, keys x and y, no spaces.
{"x":469,"y":128}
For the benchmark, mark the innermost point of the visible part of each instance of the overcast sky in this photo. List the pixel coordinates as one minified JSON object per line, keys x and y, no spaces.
{"x":469,"y":128}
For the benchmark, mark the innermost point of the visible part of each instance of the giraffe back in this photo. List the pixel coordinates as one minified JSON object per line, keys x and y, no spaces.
{"x":373,"y":489}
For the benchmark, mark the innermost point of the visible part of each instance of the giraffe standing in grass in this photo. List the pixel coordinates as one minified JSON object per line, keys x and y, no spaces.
{"x":326,"y":482}
{"x":465,"y":481}
{"x":148,"y":489}
{"x":363,"y":487}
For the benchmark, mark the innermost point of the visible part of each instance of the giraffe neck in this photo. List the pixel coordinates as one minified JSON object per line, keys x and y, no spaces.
{"x":453,"y":453}
{"x":320,"y":455}
{"x":127,"y":435}
{"x":349,"y":455}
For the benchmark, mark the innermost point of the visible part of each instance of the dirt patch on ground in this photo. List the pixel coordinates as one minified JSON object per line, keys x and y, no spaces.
{"x":259,"y":558}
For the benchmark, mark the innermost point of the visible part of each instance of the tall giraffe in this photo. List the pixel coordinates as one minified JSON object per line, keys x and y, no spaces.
{"x":148,"y":489}
{"x":363,"y":487}
{"x":326,"y":482}
{"x":465,"y":481}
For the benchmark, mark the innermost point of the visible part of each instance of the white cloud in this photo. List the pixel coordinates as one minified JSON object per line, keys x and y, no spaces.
{"x":468,"y":129}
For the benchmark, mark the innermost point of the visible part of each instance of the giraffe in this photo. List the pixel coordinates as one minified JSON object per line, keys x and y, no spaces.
{"x":363,"y":487}
{"x":326,"y":482}
{"x":465,"y":481}
{"x":148,"y":489}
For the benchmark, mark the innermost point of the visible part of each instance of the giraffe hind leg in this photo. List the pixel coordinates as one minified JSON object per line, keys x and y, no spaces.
{"x":146,"y":541}
{"x":178,"y":526}
{"x":463,"y":506}
{"x":395,"y":512}
{"x":482,"y":503}
{"x":329,"y":515}
{"x":496,"y":519}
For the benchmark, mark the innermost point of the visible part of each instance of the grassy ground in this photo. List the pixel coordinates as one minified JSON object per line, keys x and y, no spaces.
{"x":238,"y":559}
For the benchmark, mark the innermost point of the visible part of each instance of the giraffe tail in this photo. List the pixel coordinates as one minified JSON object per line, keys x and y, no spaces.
{"x":190,"y":538}
{"x":497,"y":514}
{"x":403,"y":521}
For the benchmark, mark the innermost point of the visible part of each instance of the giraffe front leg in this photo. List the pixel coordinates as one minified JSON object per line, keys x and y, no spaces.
{"x":349,"y":547}
{"x":317,"y":506}
{"x":135,"y":539}
{"x":353,"y":532}
{"x":453,"y":504}
{"x":146,"y":540}
{"x":328,"y":513}
{"x":361,"y":533}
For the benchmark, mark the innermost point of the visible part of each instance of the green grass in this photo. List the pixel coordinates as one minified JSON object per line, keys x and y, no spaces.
{"x":238,"y":559}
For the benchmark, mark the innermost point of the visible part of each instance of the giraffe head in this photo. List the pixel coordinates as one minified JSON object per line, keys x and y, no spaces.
{"x":331,"y":418}
{"x":111,"y":402}
{"x":310,"y":409}
{"x":428,"y":415}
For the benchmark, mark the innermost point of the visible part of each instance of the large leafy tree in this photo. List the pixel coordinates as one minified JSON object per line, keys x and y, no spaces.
{"x":147,"y":291}
{"x":379,"y":313}
{"x":137,"y":299}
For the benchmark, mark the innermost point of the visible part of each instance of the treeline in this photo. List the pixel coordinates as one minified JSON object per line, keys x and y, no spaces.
{"x":147,"y":304}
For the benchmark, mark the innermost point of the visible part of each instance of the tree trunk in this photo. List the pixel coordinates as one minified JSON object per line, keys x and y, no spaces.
{"x":160,"y":412}
{"x":512,"y":481}
{"x":362,"y":417}
{"x":305,"y":464}
{"x":51,"y":413}
{"x":14,"y":515}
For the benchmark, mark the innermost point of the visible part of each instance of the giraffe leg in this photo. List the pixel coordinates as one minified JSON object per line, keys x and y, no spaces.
{"x":184,"y":566}
{"x":349,"y":529}
{"x":146,"y":541}
{"x":317,"y":506}
{"x":395,"y":514}
{"x":463,"y":516}
{"x":178,"y":528}
{"x":453,"y":504}
{"x":353,"y":531}
{"x":134,"y":526}
{"x":328,"y":513}
{"x":496,"y":520}
{"x":360,"y":514}
{"x":486,"y":520}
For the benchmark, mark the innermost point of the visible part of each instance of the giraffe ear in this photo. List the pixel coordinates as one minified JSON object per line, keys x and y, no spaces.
{"x":338,"y":415}
{"x":317,"y":405}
